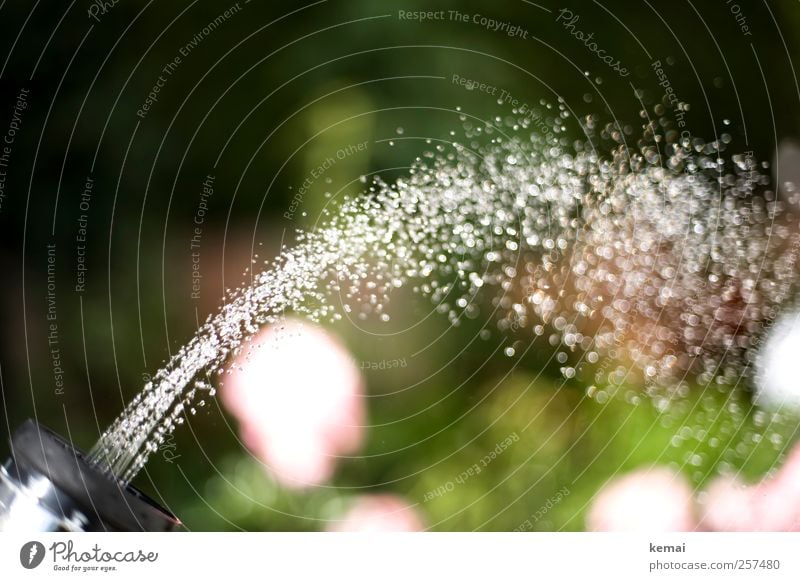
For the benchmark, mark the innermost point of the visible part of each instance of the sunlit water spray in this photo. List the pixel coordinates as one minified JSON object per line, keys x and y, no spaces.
{"x":663,"y":256}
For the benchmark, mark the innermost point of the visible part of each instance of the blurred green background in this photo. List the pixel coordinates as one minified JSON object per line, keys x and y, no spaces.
{"x":258,"y":103}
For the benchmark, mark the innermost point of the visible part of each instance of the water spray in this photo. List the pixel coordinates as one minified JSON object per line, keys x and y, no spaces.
{"x":668,"y":258}
{"x":49,"y":485}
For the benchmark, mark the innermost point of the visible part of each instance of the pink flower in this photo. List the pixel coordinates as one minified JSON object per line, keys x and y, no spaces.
{"x":298,"y":398}
{"x":772,"y":505}
{"x":728,"y":505}
{"x":652,"y":500}
{"x":379,"y":513}
{"x":661,"y":500}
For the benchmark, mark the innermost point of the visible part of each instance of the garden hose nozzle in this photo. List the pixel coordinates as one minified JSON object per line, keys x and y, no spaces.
{"x":49,"y":485}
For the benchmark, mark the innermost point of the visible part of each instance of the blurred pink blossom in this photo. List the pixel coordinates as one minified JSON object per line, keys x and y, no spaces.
{"x":649,"y":500}
{"x":661,"y":500}
{"x":379,"y":513}
{"x":298,"y":397}
{"x":772,"y":505}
